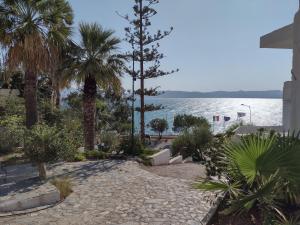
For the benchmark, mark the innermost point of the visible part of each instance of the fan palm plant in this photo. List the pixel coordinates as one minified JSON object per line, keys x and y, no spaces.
{"x":95,"y":63}
{"x":261,"y":172}
{"x":59,"y":80}
{"x":31,"y":31}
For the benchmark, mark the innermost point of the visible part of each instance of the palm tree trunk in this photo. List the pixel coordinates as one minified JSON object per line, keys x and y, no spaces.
{"x":42,"y":170}
{"x":89,"y":112}
{"x":30,"y":94}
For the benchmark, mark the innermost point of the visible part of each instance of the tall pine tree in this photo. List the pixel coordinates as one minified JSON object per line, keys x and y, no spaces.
{"x":145,"y":51}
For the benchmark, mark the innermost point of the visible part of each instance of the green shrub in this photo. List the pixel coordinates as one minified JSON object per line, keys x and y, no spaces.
{"x":72,"y":128}
{"x":64,"y":186}
{"x":12,"y":106}
{"x":95,"y":155}
{"x":159,"y":126}
{"x":111,"y":141}
{"x":193,"y":143}
{"x":184,"y":122}
{"x":50,"y":116}
{"x":11,"y":133}
{"x":79,"y":157}
{"x":149,"y":152}
{"x":213,"y":165}
{"x":42,"y":144}
{"x":183,"y":145}
{"x":48,"y":144}
{"x":128,"y":149}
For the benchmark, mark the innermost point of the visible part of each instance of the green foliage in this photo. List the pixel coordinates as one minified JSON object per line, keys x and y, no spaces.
{"x":17,"y":82}
{"x":11,"y":133}
{"x":264,"y":171}
{"x":150,"y":57}
{"x":50,"y":116}
{"x":193,"y":143}
{"x":128,"y":149}
{"x":214,"y":164}
{"x":11,"y":106}
{"x":149,"y":152}
{"x":184,"y":122}
{"x":159,"y":126}
{"x":184,"y":145}
{"x":79,"y":157}
{"x":112,"y":111}
{"x":230,"y":130}
{"x":48,"y":144}
{"x":118,"y":111}
{"x":95,"y":155}
{"x":111,"y":141}
{"x":74,"y":101}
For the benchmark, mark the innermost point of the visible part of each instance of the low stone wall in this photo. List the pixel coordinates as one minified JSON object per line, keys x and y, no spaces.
{"x":45,"y":195}
{"x":161,"y":158}
{"x":176,"y":160}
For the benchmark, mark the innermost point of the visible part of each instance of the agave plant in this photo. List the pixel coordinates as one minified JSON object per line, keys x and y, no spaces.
{"x":261,"y":172}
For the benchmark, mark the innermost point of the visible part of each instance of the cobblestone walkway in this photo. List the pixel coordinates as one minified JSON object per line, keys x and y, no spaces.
{"x":118,"y":192}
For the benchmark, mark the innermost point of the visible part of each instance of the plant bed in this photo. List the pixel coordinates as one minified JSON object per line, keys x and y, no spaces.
{"x":251,"y":218}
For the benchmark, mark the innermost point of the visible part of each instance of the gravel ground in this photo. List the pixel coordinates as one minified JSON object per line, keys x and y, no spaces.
{"x":122,"y":193}
{"x":186,"y":171}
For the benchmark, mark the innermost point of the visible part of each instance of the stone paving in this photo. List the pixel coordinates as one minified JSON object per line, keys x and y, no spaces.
{"x":119,"y":192}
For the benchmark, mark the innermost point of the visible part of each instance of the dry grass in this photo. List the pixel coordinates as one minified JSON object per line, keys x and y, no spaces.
{"x":64,"y":186}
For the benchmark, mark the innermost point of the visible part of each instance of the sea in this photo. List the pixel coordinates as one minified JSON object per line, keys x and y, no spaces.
{"x":264,"y":112}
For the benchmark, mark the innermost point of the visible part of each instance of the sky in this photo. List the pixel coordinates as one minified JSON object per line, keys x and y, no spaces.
{"x":215,"y":43}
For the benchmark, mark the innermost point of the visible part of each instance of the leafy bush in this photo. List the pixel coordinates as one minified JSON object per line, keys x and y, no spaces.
{"x":111,"y":142}
{"x":48,"y":144}
{"x":213,"y":164}
{"x":64,"y":186}
{"x":262,"y":172}
{"x":42,"y":144}
{"x":79,"y":157}
{"x":128,"y":149}
{"x":192,"y":143}
{"x":184,"y":122}
{"x":11,"y":133}
{"x":50,"y":116}
{"x":183,"y":145}
{"x":95,"y":155}
{"x":72,"y":127}
{"x":159,"y":126}
{"x":12,"y":106}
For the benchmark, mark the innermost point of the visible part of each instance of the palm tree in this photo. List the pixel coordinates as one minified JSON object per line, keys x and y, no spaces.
{"x":95,"y":63}
{"x":31,"y":31}
{"x":262,"y":172}
{"x":59,"y":81}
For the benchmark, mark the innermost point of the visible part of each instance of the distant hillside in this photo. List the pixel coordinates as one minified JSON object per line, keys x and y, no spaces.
{"x":222,"y":94}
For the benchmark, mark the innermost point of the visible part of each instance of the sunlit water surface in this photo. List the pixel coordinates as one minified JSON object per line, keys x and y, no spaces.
{"x":265,"y":112}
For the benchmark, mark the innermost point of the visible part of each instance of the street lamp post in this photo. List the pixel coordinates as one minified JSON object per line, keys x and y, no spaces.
{"x":249,"y":110}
